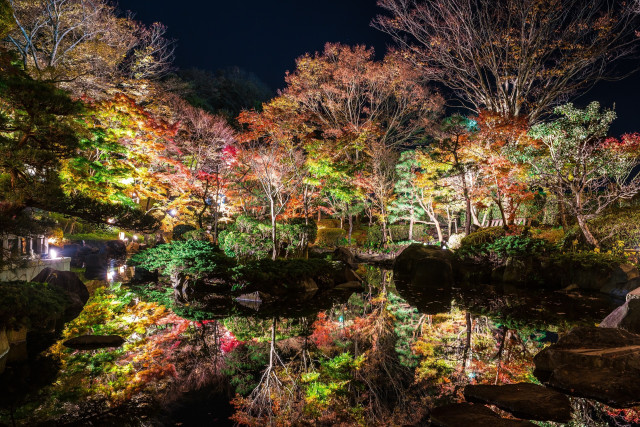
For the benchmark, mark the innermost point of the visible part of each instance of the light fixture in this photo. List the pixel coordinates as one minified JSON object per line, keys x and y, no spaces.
{"x":111,"y":221}
{"x":135,"y":237}
{"x":53,"y":254}
{"x":173,"y":212}
{"x":110,"y":275}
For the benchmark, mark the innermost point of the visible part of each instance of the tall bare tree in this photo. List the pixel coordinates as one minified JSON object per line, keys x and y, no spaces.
{"x":513,"y":57}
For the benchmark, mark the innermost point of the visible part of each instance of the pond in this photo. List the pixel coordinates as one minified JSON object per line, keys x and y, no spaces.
{"x":385,"y":352}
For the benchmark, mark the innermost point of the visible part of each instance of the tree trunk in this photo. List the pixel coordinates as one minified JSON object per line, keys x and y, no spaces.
{"x":586,"y":232}
{"x":350,"y":227}
{"x":274,"y":241}
{"x":411,"y":222}
{"x":467,"y":219}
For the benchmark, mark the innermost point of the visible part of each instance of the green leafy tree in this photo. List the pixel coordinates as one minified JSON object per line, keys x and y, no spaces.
{"x":406,"y":207}
{"x":575,"y":159}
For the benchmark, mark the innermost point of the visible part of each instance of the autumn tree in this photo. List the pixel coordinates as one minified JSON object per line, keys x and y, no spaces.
{"x":41,"y":131}
{"x":577,"y":161}
{"x":271,"y":156}
{"x":503,"y":179}
{"x":209,"y":153}
{"x":85,"y":46}
{"x":363,"y":109}
{"x":453,"y":147}
{"x":513,"y":57}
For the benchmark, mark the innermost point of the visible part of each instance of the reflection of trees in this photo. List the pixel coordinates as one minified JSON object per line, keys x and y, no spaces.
{"x":270,"y":393}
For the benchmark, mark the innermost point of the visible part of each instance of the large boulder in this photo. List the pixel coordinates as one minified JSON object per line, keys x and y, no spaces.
{"x":469,"y":414}
{"x":596,"y":363}
{"x":524,"y":400}
{"x":634,"y":294}
{"x":344,"y":255}
{"x":94,"y":342}
{"x":95,"y":267}
{"x":627,"y":317}
{"x":622,"y":280}
{"x":617,"y":281}
{"x":115,"y":249}
{"x":424,"y":265}
{"x":68,"y":283}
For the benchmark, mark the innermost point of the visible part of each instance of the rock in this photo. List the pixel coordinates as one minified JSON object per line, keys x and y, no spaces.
{"x":623,"y":279}
{"x":523,"y":400}
{"x":67,"y":282}
{"x":469,"y":414}
{"x":384,"y":259}
{"x":626,"y":317}
{"x":115,"y":249}
{"x":344,"y":255}
{"x":424,"y":265}
{"x":634,"y":294}
{"x":94,"y":342}
{"x":596,"y":363}
{"x":143,"y":275}
{"x":95,"y":267}
{"x":309,"y":285}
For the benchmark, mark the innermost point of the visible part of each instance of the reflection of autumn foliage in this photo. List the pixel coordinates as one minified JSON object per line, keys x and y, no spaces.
{"x":163,"y":352}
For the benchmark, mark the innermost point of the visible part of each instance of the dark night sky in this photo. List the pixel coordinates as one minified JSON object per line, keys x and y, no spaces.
{"x":265,"y":37}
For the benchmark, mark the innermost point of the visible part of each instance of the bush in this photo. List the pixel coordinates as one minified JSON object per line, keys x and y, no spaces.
{"x":328,"y":237}
{"x":191,"y":257}
{"x":514,"y":246}
{"x":484,"y":235}
{"x":400,"y":232}
{"x":587,"y":260}
{"x":28,"y":303}
{"x":249,"y":238}
{"x":374,"y":236}
{"x":200,"y":234}
{"x":180,"y":229}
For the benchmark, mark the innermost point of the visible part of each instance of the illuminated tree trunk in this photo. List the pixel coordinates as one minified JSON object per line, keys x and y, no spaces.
{"x":411,"y":222}
{"x":274,"y":241}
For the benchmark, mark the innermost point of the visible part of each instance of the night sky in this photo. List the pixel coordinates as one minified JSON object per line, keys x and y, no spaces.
{"x":265,"y":37}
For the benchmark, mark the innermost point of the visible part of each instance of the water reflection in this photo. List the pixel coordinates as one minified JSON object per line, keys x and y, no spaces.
{"x":386,"y":353}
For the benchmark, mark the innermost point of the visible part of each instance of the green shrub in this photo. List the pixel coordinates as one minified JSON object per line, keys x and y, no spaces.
{"x":328,"y":237}
{"x":400,"y":232}
{"x":374,"y":236}
{"x":28,"y":303}
{"x":484,"y":235}
{"x":190,"y":257}
{"x":587,"y":260}
{"x":200,"y":234}
{"x":249,"y":238}
{"x":514,"y":246}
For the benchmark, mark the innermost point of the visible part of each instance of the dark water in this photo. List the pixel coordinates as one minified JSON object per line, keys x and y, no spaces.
{"x":421,"y":346}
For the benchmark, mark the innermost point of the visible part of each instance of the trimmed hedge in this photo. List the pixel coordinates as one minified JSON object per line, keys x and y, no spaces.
{"x":484,"y":235}
{"x":330,"y":236}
